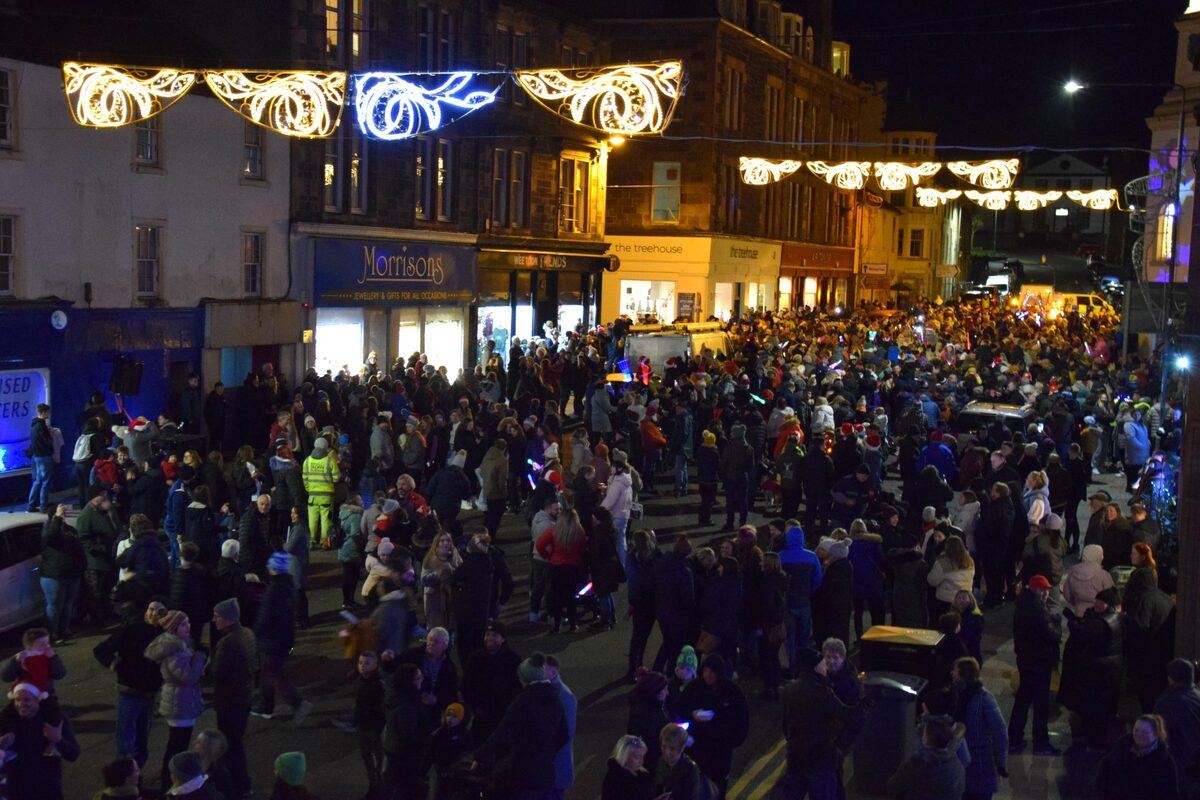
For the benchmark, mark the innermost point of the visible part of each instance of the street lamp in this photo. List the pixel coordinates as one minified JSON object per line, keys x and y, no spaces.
{"x":1071,"y":87}
{"x":1183,"y":363}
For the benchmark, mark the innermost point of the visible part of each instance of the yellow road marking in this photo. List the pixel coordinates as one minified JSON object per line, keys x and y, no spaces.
{"x":763,"y":788}
{"x":751,"y":773}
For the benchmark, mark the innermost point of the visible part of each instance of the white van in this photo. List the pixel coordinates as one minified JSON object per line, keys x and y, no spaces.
{"x":21,"y":601}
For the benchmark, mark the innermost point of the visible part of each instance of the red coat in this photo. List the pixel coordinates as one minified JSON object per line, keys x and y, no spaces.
{"x":652,"y":437}
{"x":558,"y":556}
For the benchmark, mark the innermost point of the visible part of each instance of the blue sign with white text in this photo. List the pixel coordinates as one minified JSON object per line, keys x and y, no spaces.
{"x":363,"y":273}
{"x":20,"y":392}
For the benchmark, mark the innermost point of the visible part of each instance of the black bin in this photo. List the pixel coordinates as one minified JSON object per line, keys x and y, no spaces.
{"x":890,"y":732}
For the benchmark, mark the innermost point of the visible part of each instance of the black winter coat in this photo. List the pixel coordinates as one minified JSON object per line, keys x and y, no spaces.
{"x":62,"y":552}
{"x":647,"y":717}
{"x":472,"y":582}
{"x":490,"y":684}
{"x":146,"y":559}
{"x":621,"y":784}
{"x":1092,"y":663}
{"x":1036,"y":633}
{"x":716,"y":739}
{"x":532,"y":732}
{"x":191,"y":593}
{"x":275,"y":625}
{"x":254,"y":541}
{"x":833,"y":602}
{"x":200,"y":528}
{"x":674,"y":590}
{"x":127,"y":648}
{"x":603,"y":564}
{"x":1125,"y":774}
{"x":719,"y":612}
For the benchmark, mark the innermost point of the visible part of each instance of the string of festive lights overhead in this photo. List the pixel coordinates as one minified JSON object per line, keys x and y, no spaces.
{"x":848,"y":175}
{"x":932,"y":198}
{"x":623,"y":101}
{"x":994,"y":174}
{"x":761,"y":171}
{"x":294,"y":103}
{"x":626,"y":100}
{"x":1031,"y":201}
{"x":390,"y":107}
{"x":894,"y":176}
{"x":1098,"y":200}
{"x":102,"y":96}
{"x":995,"y":200}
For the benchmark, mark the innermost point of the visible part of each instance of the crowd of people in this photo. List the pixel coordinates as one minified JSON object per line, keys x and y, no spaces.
{"x":407,"y":476}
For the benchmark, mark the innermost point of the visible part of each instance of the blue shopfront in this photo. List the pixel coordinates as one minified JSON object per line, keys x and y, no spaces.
{"x":75,"y":351}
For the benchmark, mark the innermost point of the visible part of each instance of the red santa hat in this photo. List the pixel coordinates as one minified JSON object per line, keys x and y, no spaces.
{"x":139,"y":424}
{"x":25,"y":685}
{"x":935,"y":436}
{"x":553,"y":476}
{"x":873,"y":441}
{"x":847,"y":429}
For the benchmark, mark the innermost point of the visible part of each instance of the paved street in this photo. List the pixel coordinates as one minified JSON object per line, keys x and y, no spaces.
{"x":592,"y":666}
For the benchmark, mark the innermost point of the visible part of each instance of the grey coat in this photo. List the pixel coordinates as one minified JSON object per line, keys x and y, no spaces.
{"x":181,"y":669}
{"x":602,"y":409}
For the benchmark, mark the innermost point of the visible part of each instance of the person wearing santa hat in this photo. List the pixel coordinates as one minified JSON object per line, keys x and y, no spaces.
{"x":38,"y":748}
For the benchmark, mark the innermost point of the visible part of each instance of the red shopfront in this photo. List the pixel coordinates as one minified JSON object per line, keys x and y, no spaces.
{"x":816,"y":276}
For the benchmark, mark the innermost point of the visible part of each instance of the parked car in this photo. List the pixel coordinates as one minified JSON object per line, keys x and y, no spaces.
{"x":21,"y":599}
{"x":978,"y":415}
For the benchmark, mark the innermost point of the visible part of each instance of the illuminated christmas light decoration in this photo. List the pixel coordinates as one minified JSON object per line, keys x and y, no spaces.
{"x":992,"y":201}
{"x":848,"y":175}
{"x":1098,"y":200}
{"x":932,"y":198}
{"x":627,"y":101}
{"x":294,"y":103}
{"x":389,"y":106}
{"x":894,"y":176}
{"x":761,"y":171}
{"x":996,"y":174}
{"x":1032,"y":201}
{"x":102,"y":96}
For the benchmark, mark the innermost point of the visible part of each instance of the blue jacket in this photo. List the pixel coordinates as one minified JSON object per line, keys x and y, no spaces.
{"x":866,"y":556}
{"x":447,"y":489}
{"x":802,"y":567}
{"x":275,"y":627}
{"x":564,"y":759}
{"x":719,"y":609}
{"x":1137,"y":443}
{"x":940,"y":456}
{"x":987,"y":739}
{"x":932,"y":413}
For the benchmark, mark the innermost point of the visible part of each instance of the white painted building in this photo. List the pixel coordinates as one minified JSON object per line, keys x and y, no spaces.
{"x":166,"y":242}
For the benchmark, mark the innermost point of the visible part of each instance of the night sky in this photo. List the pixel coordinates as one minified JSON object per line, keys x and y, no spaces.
{"x":992,"y":73}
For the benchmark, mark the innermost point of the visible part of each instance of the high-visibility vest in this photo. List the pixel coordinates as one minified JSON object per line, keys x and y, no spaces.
{"x":319,"y":475}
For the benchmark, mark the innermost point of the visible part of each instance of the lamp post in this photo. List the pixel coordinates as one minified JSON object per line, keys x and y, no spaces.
{"x":1071,"y":87}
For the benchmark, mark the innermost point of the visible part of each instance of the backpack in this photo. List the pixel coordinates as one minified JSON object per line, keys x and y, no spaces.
{"x":83,"y":448}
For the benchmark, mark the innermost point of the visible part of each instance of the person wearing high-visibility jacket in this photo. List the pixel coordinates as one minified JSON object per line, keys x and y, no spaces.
{"x":320,"y":474}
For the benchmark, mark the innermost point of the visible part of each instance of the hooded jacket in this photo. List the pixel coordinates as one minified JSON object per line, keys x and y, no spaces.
{"x":1083,"y":582}
{"x":738,"y":458}
{"x":181,"y":669}
{"x":866,"y":556}
{"x":803,"y":569}
{"x":931,"y":774}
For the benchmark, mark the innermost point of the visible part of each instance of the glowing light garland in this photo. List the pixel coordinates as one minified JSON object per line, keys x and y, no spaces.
{"x":103,"y":96}
{"x":932,"y":198}
{"x":1032,"y":201}
{"x":761,"y":171}
{"x":294,"y":103}
{"x":390,"y":107}
{"x":625,"y":101}
{"x":894,"y":176}
{"x":848,"y":175}
{"x":1098,"y":200}
{"x":992,"y":201}
{"x":996,"y":174}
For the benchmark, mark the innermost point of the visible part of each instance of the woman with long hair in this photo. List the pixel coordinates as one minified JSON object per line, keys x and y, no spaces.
{"x":1044,"y":551}
{"x":438,"y":590}
{"x":952,"y":572}
{"x":564,"y":546}
{"x":1036,"y":497}
{"x":240,"y":478}
{"x":1138,"y":765}
{"x":1146,"y":610}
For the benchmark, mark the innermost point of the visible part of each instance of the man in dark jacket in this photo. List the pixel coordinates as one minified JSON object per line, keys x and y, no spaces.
{"x":935,"y":770}
{"x":191,"y":590}
{"x":813,"y":719}
{"x":991,"y":541}
{"x":232,"y":668}
{"x":817,"y":475}
{"x":789,"y":467}
{"x":439,"y":676}
{"x":674,"y":601}
{"x":41,"y":454}
{"x":1179,"y":706}
{"x":138,"y":678}
{"x":1093,"y":667}
{"x":490,"y":682}
{"x":737,"y":463}
{"x":146,"y":560}
{"x":851,"y":496}
{"x":1036,"y":632}
{"x":472,"y":582}
{"x":254,"y":536}
{"x":531,"y":732}
{"x":448,"y":488}
{"x":98,"y":533}
{"x":1095,"y":527}
{"x":720,"y":719}
{"x":275,"y":632}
